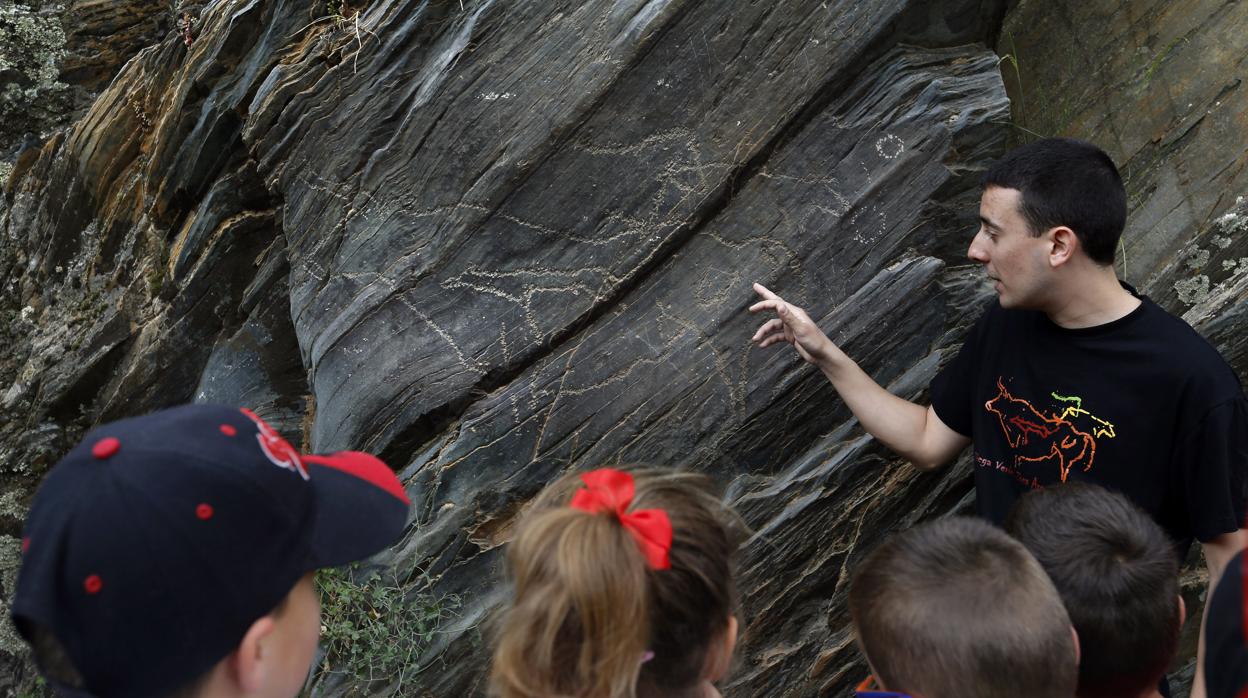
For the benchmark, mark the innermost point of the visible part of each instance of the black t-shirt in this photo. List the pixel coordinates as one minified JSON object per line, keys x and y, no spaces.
{"x":1143,"y":405}
{"x":1226,"y":633}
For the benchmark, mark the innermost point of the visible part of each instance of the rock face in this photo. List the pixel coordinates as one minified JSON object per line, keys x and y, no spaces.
{"x":1163,"y":89}
{"x":101,"y":35}
{"x":499,"y":240}
{"x":55,"y":58}
{"x":31,"y":98}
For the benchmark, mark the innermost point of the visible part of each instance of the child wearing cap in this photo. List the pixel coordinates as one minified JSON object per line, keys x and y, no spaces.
{"x":172,"y":554}
{"x":623,"y":587}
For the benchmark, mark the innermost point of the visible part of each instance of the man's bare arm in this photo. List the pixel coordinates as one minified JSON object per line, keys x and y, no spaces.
{"x":913,"y":431}
{"x":1218,"y":552}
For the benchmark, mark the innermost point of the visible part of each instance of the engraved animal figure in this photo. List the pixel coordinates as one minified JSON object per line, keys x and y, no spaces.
{"x":1037,"y":438}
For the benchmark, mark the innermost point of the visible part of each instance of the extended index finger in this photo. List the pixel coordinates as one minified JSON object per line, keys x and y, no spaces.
{"x":765,"y":292}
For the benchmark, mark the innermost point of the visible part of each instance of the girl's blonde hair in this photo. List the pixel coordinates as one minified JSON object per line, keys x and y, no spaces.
{"x":590,"y":619}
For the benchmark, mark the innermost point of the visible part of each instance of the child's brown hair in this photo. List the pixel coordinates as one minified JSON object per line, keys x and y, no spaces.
{"x":1118,"y":576}
{"x":591,"y":619}
{"x":955,"y":608}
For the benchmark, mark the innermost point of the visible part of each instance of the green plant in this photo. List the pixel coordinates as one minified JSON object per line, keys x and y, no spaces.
{"x":1018,"y":108}
{"x":1012,"y":59}
{"x":1159,"y":59}
{"x":373,"y":627}
{"x":341,"y":14}
{"x":37,"y":689}
{"x":155,"y":278}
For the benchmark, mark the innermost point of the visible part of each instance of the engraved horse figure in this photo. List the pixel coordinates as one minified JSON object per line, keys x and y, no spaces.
{"x":1037,"y":438}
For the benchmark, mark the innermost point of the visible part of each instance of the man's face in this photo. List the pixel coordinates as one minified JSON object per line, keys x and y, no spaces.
{"x":1015,"y":261}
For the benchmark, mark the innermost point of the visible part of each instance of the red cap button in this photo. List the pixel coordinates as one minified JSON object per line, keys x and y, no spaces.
{"x":106,"y":448}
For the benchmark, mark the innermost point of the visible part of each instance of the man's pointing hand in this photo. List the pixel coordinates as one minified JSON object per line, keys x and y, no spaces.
{"x":791,"y":325}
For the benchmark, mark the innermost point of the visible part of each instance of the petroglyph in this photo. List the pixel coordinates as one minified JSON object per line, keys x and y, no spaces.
{"x":683,"y":137}
{"x":471,"y":366}
{"x":522,"y":286}
{"x":632,"y":228}
{"x":868,"y":224}
{"x":890,"y":147}
{"x":736,"y":389}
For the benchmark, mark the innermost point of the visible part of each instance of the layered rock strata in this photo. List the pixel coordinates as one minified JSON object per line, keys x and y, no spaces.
{"x":497,"y":241}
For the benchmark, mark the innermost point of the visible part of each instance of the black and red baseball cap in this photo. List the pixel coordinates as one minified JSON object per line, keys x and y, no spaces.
{"x":153,"y":546}
{"x":1226,"y":633}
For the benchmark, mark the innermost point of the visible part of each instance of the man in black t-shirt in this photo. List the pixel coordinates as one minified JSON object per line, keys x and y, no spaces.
{"x":1071,"y":374}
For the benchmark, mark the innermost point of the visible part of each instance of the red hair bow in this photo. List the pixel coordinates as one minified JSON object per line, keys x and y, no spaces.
{"x":611,"y":490}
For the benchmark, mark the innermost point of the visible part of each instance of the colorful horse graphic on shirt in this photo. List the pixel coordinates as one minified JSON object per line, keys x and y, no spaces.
{"x":1039,"y":438}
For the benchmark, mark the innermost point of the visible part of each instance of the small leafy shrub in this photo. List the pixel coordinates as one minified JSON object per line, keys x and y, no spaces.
{"x":372,"y":628}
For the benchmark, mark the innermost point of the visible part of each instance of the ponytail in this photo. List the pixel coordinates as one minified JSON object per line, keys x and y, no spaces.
{"x":579,"y":625}
{"x":589,"y":611}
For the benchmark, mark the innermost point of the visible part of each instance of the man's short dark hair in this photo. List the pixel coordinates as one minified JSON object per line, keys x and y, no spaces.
{"x":1118,"y":574}
{"x":955,"y":608}
{"x":1067,"y":182}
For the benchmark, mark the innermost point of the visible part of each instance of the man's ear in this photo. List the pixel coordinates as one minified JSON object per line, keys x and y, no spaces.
{"x":1078,"y":653}
{"x":248,"y":662}
{"x":1062,"y":245}
{"x":1182,"y":611}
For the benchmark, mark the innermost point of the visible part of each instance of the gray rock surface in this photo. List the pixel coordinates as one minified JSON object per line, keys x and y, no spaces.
{"x":499,"y":240}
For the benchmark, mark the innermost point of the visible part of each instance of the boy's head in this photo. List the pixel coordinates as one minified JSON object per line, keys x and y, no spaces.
{"x":1066,"y":182}
{"x":955,"y":608}
{"x":171,"y":554}
{"x":1117,"y":573}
